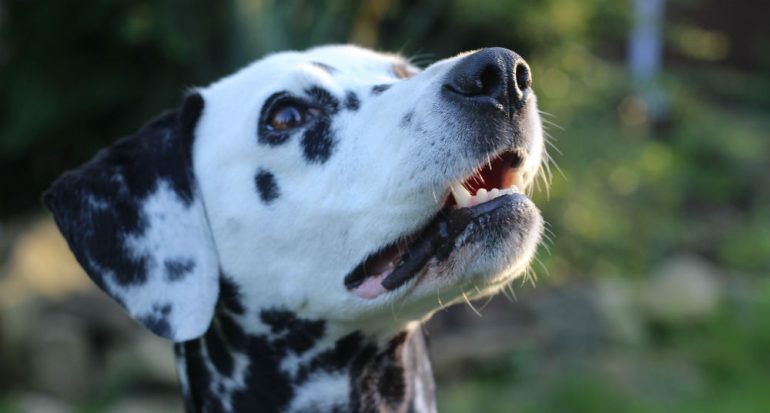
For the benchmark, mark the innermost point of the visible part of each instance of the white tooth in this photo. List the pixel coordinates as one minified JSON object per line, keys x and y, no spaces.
{"x":481,"y":195}
{"x":494,"y":193}
{"x":514,"y":189}
{"x":462,"y":196}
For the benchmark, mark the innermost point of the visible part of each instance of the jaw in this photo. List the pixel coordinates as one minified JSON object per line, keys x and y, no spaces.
{"x":476,"y":252}
{"x":484,"y":236}
{"x":478,"y":242}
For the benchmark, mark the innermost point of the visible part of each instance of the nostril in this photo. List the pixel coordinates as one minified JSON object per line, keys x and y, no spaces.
{"x":522,"y":76}
{"x":490,"y":80}
{"x":478,"y":82}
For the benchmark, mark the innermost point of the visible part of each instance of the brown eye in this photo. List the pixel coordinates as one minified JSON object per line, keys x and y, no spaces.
{"x":290,"y":115}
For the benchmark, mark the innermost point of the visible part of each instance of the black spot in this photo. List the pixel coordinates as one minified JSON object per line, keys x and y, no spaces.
{"x":344,"y":352}
{"x":177,"y":269}
{"x":278,"y":320}
{"x":376,"y":90}
{"x":337,"y":408}
{"x":267,"y":388}
{"x":99,"y":205}
{"x":218,"y":351}
{"x":187,"y":120}
{"x":379,"y":373}
{"x":407,"y":119}
{"x":266,"y":186}
{"x":199,"y":378}
{"x":295,"y":334}
{"x":328,"y":69}
{"x":184,"y":385}
{"x":233,"y":333}
{"x":157,"y":320}
{"x":351,"y":101}
{"x":325,"y":99}
{"x":318,"y":142}
{"x":392,"y":382}
{"x":229,"y":295}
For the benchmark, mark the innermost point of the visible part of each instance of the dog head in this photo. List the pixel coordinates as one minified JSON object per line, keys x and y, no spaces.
{"x":337,"y":183}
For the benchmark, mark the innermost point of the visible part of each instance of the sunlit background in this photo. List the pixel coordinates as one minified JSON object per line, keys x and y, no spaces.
{"x":652,"y":293}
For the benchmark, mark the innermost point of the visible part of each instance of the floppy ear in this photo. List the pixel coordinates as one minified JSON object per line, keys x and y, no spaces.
{"x":135,"y":221}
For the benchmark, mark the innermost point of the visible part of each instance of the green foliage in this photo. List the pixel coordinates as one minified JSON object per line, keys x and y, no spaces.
{"x":720,"y":366}
{"x":74,"y":76}
{"x":627,"y":195}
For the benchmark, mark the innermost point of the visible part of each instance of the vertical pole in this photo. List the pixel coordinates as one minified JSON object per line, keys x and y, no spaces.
{"x":645,"y":55}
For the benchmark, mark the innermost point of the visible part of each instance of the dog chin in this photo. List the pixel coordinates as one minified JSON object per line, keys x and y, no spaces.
{"x":494,"y":249}
{"x":496,"y":245}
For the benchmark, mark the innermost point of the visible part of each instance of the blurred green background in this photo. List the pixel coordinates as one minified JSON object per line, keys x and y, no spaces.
{"x":652,"y":294}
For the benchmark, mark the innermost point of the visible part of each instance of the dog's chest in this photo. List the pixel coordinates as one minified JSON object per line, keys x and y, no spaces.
{"x":294,"y":366}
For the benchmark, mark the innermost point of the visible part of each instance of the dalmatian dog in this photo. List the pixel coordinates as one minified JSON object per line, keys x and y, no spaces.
{"x":291,"y":225}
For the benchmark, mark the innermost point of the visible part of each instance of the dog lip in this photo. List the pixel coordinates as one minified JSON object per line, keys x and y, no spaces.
{"x":436,"y":239}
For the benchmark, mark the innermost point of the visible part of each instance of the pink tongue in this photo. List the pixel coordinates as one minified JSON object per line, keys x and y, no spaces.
{"x":379,"y":268}
{"x":372,"y":286}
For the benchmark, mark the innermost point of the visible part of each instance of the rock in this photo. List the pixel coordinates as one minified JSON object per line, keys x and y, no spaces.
{"x":147,"y":358}
{"x":19,"y":326}
{"x":685,"y":289}
{"x":41,"y":403}
{"x":569,"y":322}
{"x":617,"y":301}
{"x":41,"y":263}
{"x":61,"y":357}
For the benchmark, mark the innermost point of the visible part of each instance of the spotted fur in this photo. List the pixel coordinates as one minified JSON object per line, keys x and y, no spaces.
{"x":233,"y":238}
{"x":266,"y":186}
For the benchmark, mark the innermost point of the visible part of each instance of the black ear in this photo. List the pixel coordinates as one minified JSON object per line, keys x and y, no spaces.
{"x":135,"y":222}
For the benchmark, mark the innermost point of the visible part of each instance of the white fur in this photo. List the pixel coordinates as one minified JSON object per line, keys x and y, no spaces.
{"x":173,"y":232}
{"x":380,"y":183}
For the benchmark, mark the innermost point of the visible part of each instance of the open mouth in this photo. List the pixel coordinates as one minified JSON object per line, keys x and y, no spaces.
{"x":489,"y":188}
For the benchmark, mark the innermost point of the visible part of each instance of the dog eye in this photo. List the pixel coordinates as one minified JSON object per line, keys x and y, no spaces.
{"x":290,"y":115}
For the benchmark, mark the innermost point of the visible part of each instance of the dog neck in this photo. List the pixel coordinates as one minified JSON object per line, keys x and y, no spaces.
{"x":282,"y":363}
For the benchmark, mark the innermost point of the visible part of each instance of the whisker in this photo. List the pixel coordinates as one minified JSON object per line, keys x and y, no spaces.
{"x":506,"y":293}
{"x":553,"y":146}
{"x":545,"y":269}
{"x":548,"y":234}
{"x":552,"y":123}
{"x":393,"y":310}
{"x":440,"y":302}
{"x":486,"y":303}
{"x":510,"y":289}
{"x":542,"y":112}
{"x":547,"y":247}
{"x":468,"y":301}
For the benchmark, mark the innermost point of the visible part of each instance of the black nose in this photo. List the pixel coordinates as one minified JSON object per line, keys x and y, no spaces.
{"x":494,"y":75}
